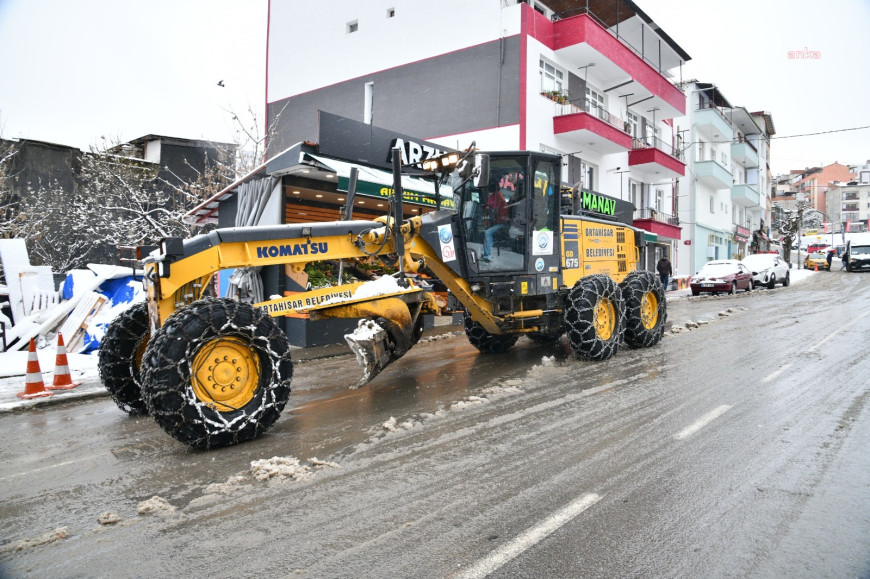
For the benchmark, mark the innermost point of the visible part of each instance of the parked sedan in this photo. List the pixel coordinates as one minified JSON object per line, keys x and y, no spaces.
{"x":767,"y":269}
{"x":722,"y":275}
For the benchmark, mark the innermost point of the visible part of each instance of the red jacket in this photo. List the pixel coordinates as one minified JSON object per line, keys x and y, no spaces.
{"x":497,"y":207}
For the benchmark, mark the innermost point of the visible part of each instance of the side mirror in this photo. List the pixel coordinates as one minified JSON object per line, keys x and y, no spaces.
{"x":481,"y":169}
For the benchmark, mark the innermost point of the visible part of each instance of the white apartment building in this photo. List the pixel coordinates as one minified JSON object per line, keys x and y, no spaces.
{"x":848,"y":204}
{"x":726,"y":204}
{"x":590,"y":80}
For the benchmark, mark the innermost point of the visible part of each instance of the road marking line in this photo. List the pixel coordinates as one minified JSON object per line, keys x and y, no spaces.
{"x":837,"y":331}
{"x":702,"y":422}
{"x":770,"y":377}
{"x":529,"y":538}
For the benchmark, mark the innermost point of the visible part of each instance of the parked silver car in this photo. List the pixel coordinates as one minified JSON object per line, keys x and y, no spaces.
{"x":767,"y":269}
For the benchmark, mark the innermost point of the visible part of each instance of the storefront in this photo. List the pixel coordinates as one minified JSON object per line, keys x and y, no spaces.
{"x":310,"y":182}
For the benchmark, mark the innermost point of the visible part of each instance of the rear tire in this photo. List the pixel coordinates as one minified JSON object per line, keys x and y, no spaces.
{"x":772,"y":283}
{"x":484,"y":341}
{"x":595,"y":317}
{"x":217,"y":373}
{"x":733,"y":289}
{"x":645,"y":309}
{"x":787,"y":281}
{"x":120,"y":357}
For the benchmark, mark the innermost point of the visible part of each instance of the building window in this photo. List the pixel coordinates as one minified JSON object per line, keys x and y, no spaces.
{"x":633,"y":123}
{"x":712,"y":205}
{"x":352,"y":27}
{"x":634,"y":189}
{"x":368,"y":103}
{"x":724,"y":160}
{"x":597,"y":104}
{"x":660,"y":200}
{"x":391,"y":12}
{"x":551,"y":77}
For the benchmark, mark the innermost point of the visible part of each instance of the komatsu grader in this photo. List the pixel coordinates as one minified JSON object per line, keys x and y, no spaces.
{"x":520,"y":256}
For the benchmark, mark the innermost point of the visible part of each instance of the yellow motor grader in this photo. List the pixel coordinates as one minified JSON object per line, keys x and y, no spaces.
{"x":521,"y":257}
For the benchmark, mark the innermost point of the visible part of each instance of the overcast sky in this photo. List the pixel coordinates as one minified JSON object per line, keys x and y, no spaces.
{"x":73,"y":71}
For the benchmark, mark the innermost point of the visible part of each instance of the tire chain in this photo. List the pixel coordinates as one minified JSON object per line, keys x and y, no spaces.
{"x":580,"y":317}
{"x":167,"y":369}
{"x":634,"y":286}
{"x":486,"y":342}
{"x":117,"y":359}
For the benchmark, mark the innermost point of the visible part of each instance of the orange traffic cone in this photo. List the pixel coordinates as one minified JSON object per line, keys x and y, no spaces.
{"x":62,"y":378}
{"x":816,"y":266}
{"x":33,"y":387}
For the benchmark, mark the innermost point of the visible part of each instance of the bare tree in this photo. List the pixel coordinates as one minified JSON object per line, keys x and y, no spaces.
{"x":790,"y":225}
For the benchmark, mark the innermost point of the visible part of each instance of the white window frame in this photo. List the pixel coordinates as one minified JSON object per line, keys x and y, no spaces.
{"x":552,"y":77}
{"x":633,"y":122}
{"x":597,"y":101}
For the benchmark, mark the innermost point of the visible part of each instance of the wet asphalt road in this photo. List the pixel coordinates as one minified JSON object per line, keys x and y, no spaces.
{"x":735,"y":449}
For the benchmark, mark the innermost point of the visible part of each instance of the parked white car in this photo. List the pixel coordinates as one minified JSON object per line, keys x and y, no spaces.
{"x":767,"y":269}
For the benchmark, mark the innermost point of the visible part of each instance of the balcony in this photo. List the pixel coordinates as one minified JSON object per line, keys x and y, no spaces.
{"x":850,"y":196}
{"x":583,"y":40}
{"x":745,"y":153}
{"x":657,"y":222}
{"x":745,"y":195}
{"x":656,"y":159}
{"x":713,"y":175}
{"x":587,"y":124}
{"x":850,"y":207}
{"x":712,"y":124}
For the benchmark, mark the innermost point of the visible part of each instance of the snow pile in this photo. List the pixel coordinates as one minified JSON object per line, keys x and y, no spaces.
{"x":384,"y":285}
{"x":282,"y":467}
{"x":108,"y":518}
{"x":44,"y":539}
{"x":155,"y":506}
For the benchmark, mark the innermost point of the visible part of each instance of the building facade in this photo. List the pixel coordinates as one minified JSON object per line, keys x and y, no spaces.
{"x":727,"y":185}
{"x":848,"y":204}
{"x":588,"y":80}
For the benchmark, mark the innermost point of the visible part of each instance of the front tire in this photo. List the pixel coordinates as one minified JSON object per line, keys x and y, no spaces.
{"x":595,"y":317}
{"x":484,"y":341}
{"x":120,"y":358}
{"x":772,"y":283}
{"x":217,"y":373}
{"x":645,"y":309}
{"x":733,"y":289}
{"x":787,"y":281}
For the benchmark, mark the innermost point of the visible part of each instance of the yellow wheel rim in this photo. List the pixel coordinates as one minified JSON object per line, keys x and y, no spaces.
{"x":605,"y":319}
{"x":226,"y":373}
{"x":649,"y":310}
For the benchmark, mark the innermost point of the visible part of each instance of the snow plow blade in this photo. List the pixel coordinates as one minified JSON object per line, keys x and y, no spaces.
{"x":369,"y":343}
{"x":384,"y":335}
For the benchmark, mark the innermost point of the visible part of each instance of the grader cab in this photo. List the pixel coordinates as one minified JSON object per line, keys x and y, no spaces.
{"x":516,"y":252}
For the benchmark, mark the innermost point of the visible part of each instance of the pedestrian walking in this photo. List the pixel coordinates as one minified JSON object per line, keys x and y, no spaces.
{"x":665,"y":271}
{"x":845,"y":260}
{"x":830,"y":258}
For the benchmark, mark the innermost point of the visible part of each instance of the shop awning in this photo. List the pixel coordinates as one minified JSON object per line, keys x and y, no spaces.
{"x":376,"y":183}
{"x":650,"y":237}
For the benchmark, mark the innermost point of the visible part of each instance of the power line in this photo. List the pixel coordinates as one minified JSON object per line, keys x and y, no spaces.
{"x":821,"y":133}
